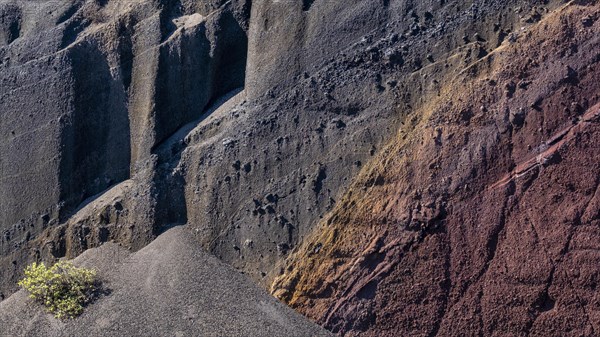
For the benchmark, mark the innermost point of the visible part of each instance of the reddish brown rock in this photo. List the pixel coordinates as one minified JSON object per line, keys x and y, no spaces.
{"x":496,"y":233}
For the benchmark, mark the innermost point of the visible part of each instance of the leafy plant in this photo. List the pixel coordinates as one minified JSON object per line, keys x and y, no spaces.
{"x":63,"y":288}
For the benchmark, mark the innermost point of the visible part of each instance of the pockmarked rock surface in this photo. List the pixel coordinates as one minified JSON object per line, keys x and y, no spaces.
{"x":169,"y":288}
{"x":481,"y":216}
{"x":385,"y":167}
{"x":89,"y":90}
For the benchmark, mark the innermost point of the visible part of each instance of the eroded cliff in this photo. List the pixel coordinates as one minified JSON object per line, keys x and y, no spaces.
{"x":387,"y":167}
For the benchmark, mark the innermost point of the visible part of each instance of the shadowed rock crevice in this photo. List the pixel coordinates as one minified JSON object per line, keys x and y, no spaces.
{"x":201,"y":64}
{"x":73,"y":27}
{"x":169,"y":9}
{"x":69,"y":12}
{"x":306,"y":4}
{"x":125,"y":49}
{"x":96,"y":135}
{"x":10,"y":23}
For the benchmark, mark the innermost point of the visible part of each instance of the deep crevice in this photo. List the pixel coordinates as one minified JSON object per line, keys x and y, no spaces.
{"x":201,"y":70}
{"x":68,"y":14}
{"x":125,"y":49}
{"x":14,"y":31}
{"x":95,"y":137}
{"x":306,"y":4}
{"x":72,"y":31}
{"x":10,"y":23}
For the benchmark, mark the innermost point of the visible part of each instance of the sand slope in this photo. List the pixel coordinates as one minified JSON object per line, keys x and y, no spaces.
{"x":169,"y":288}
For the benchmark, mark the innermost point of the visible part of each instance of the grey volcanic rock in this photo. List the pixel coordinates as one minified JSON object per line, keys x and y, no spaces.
{"x":88,"y":90}
{"x":246,"y":120}
{"x":169,"y":288}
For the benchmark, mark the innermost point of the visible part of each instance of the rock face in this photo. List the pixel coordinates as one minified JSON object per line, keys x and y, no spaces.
{"x":481,"y":217}
{"x":89,"y":89}
{"x":386,"y":167}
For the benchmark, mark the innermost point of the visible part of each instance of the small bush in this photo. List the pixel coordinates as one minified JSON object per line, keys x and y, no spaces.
{"x":64,"y":289}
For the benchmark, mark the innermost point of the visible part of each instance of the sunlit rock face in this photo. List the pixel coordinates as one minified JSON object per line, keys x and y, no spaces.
{"x":385,"y":167}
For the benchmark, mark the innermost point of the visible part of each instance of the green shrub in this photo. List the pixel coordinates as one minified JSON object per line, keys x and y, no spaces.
{"x":64,"y":289}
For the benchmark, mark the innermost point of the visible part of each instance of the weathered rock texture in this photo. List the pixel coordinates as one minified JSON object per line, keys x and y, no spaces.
{"x":89,"y":90}
{"x":389,"y":167}
{"x":481,"y":217}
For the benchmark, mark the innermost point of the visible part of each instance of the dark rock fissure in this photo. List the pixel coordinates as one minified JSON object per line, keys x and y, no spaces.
{"x":306,"y":4}
{"x":14,"y":31}
{"x":96,"y":136}
{"x":69,"y":13}
{"x":11,"y":17}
